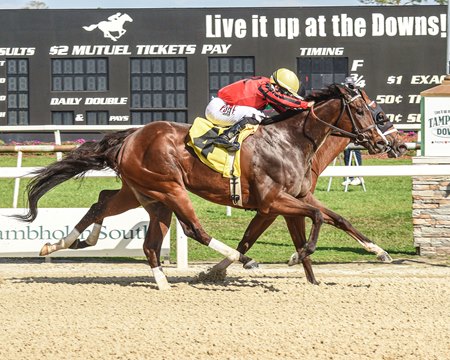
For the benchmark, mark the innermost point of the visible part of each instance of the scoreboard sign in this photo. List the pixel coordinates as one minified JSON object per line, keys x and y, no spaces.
{"x":132,"y":66}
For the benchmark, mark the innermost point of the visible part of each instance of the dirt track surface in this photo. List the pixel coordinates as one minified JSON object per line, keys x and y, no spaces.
{"x":70,"y":310}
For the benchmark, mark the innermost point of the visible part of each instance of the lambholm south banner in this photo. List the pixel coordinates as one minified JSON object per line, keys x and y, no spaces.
{"x":121,"y":235}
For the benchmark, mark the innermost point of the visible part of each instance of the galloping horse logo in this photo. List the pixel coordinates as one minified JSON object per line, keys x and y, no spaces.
{"x":113,"y":25}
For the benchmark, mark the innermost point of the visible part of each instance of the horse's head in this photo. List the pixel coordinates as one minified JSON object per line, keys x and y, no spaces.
{"x":126,"y":17}
{"x":396,"y":147}
{"x":361,"y":125}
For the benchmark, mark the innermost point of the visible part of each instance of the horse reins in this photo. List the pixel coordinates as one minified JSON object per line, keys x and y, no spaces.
{"x":358,"y":134}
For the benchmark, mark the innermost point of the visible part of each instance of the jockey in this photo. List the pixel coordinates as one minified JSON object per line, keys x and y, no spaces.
{"x":115,"y":17}
{"x":242,"y":102}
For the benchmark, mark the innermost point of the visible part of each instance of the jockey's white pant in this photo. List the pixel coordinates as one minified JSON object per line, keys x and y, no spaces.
{"x":219,"y":113}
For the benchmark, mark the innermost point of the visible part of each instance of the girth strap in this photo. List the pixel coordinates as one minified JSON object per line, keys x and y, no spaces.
{"x":235,"y":190}
{"x":235,"y":184}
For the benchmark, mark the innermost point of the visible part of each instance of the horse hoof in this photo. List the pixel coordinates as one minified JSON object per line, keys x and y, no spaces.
{"x":164,"y":286}
{"x":45,"y":250}
{"x":212,"y":275}
{"x":384,"y":257}
{"x":294,"y":260}
{"x":301,"y":255}
{"x":252,"y":264}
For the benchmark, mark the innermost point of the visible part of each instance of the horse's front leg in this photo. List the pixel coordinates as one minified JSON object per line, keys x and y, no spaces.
{"x":340,"y":222}
{"x":288,"y":206}
{"x":256,"y":228}
{"x":297,"y":229}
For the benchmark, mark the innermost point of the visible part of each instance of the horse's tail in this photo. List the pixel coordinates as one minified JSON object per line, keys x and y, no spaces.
{"x":89,"y":156}
{"x":90,"y":27}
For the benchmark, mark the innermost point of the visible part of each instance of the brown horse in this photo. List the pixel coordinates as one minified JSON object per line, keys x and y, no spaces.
{"x":157,"y":169}
{"x":296,"y":225}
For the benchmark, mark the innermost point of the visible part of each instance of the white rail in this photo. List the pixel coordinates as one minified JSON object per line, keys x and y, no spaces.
{"x":78,"y":128}
{"x":87,"y":128}
{"x":364,"y":170}
{"x":388,"y":170}
{"x":57,"y":129}
{"x":26,"y":172}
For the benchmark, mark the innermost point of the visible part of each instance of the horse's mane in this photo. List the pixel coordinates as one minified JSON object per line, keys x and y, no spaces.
{"x":330,"y":92}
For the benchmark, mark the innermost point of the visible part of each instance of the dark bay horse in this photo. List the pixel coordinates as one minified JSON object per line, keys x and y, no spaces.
{"x":157,"y":169}
{"x":333,"y":146}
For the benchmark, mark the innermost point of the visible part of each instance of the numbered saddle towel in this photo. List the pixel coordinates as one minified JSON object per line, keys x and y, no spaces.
{"x":201,"y":136}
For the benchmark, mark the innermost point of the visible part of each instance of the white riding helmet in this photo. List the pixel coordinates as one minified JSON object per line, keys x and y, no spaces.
{"x":286,"y":79}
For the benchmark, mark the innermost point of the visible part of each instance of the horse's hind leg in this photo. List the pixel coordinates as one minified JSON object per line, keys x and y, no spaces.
{"x":193,"y":229}
{"x":179,"y":202}
{"x":289,"y":206}
{"x":254,"y":230}
{"x":297,"y":229}
{"x":110,"y":202}
{"x":71,"y":240}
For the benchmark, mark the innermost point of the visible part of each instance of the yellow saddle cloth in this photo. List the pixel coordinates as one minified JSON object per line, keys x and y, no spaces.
{"x":201,"y":136}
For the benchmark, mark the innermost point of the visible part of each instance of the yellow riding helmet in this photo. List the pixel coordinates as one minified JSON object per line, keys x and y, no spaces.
{"x":286,"y":79}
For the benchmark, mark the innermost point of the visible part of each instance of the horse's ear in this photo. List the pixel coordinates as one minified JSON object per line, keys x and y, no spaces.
{"x":364,"y":95}
{"x":346,"y":90}
{"x":342,"y":89}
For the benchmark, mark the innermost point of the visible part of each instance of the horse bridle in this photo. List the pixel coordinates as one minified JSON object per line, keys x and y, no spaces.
{"x":357,"y":135}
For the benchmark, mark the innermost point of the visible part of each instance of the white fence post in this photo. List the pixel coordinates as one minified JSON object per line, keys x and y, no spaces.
{"x":228,"y":210}
{"x":17,"y":180}
{"x":58,"y":142}
{"x":182,"y":248}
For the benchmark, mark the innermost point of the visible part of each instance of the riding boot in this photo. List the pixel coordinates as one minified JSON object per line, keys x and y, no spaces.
{"x":224,"y":139}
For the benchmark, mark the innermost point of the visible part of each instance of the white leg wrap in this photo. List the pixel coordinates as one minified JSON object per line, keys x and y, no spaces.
{"x":374,"y":249}
{"x":225,"y":250}
{"x":64,"y":243}
{"x":94,"y":235}
{"x":294,"y":260}
{"x":160,"y":278}
{"x":69,"y":239}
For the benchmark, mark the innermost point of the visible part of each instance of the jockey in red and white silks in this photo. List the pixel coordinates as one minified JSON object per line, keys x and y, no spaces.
{"x":250,"y":96}
{"x":242,"y":102}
